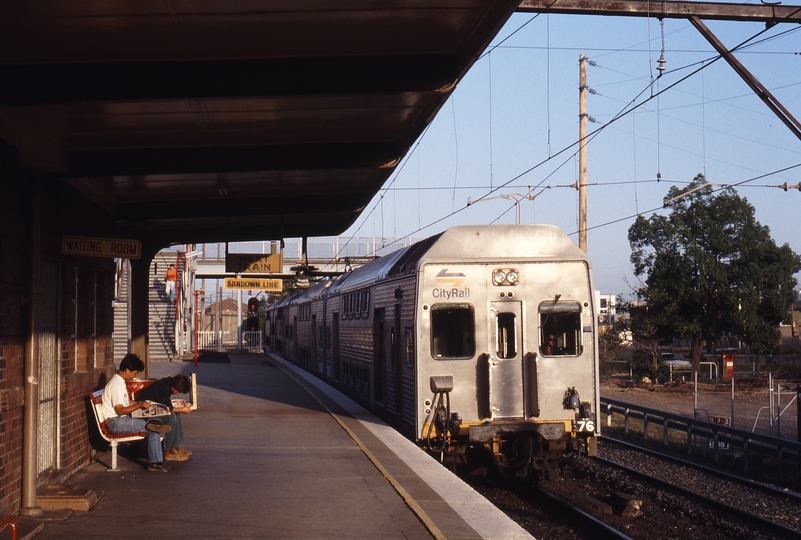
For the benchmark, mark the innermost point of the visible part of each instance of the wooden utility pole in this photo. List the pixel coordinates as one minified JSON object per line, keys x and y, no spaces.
{"x":582,"y":183}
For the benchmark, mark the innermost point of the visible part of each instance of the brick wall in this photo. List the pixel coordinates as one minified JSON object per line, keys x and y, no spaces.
{"x":11,"y":399}
{"x":85,"y":348}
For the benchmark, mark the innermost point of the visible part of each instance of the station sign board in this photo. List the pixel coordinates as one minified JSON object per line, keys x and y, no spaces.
{"x":253,"y":284}
{"x":101,"y":247}
{"x":254,"y":263}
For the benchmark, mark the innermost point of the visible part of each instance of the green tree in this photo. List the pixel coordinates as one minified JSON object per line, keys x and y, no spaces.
{"x":710,"y":267}
{"x":633,"y":333}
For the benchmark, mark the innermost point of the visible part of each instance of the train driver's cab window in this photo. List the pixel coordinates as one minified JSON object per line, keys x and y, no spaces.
{"x":560,"y":329}
{"x":452,"y":331}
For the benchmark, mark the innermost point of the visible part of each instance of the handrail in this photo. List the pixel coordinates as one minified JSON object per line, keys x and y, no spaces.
{"x":710,"y":364}
{"x":697,"y":427}
{"x":8,"y":521}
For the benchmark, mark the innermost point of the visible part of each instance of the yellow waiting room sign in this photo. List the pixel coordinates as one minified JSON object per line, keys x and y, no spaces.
{"x":101,"y":247}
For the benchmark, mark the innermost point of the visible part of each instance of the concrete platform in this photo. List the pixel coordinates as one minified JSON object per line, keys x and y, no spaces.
{"x":277,"y":454}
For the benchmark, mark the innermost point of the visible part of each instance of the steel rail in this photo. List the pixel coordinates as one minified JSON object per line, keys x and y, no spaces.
{"x":743,"y":514}
{"x":792,"y":495}
{"x":605,"y":528}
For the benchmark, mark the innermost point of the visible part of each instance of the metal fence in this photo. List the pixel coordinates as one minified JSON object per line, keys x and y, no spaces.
{"x":227,"y":341}
{"x":758,"y":404}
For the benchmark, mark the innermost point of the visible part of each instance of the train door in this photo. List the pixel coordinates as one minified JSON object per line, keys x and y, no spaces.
{"x":505,"y":364}
{"x":397,"y":366}
{"x":295,"y":357}
{"x":315,"y":342}
{"x":325,"y":344}
{"x":335,"y":344}
{"x":379,"y":356}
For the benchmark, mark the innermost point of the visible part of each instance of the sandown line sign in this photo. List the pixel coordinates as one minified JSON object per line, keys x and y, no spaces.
{"x":267,"y":285}
{"x":101,"y":247}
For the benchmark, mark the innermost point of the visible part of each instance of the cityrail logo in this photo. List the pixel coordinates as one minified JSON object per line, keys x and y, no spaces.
{"x":454,"y":279}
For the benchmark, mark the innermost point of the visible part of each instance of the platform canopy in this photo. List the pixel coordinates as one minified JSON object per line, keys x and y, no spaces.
{"x":191,"y":121}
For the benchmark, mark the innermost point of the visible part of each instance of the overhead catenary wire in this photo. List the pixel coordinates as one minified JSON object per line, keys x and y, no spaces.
{"x":630,"y":107}
{"x":722,"y":187}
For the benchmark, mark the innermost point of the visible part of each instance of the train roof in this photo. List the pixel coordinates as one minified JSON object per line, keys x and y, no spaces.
{"x":472,"y":243}
{"x":491,"y":242}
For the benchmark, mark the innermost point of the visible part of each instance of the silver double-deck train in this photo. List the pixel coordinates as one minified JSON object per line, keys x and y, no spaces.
{"x":481,"y":340}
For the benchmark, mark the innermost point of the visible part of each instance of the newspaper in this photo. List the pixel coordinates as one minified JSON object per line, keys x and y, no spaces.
{"x":179,"y":403}
{"x":155,"y":409}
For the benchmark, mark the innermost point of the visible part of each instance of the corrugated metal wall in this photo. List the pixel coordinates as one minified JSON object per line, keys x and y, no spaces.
{"x":47,"y":434}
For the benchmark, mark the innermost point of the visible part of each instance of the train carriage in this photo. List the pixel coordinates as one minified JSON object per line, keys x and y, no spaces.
{"x":479,"y":337}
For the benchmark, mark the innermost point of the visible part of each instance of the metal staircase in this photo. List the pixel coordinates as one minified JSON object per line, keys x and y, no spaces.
{"x":120,"y":306}
{"x":161,"y":326}
{"x":162,"y":311}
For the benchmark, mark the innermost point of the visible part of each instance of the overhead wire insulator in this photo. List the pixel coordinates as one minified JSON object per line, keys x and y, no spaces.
{"x":661,"y":67}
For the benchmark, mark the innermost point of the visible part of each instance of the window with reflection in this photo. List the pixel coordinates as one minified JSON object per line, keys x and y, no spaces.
{"x":452,"y":331}
{"x":560,"y":329}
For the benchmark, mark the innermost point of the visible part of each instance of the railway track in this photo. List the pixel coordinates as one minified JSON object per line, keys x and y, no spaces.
{"x":766,"y":487}
{"x":672,"y":498}
{"x":771,"y":508}
{"x":597,"y":527}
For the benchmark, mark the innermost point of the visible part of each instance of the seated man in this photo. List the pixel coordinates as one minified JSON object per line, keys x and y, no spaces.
{"x":162,"y":391}
{"x":549,"y":347}
{"x":117,"y":410}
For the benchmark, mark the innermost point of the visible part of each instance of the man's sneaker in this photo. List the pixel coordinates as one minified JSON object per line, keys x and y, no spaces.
{"x":158,"y":467}
{"x":158,"y":427}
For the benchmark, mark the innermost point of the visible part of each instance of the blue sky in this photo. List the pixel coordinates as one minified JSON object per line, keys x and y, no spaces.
{"x":513,"y":122}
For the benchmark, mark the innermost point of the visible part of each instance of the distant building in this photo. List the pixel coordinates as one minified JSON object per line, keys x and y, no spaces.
{"x":606,"y":304}
{"x":221,"y":316}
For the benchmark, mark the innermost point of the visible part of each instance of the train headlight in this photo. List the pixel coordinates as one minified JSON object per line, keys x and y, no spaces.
{"x":505,"y":276}
{"x":512,"y":277}
{"x":498,"y":277}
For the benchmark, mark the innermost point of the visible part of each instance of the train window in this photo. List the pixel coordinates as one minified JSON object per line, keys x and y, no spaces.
{"x":560,"y":327}
{"x":507,"y":340}
{"x":452,"y":331}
